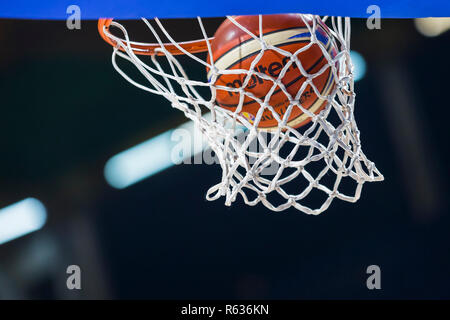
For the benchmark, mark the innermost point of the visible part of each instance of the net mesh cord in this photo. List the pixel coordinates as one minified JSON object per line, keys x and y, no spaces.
{"x":281,"y":167}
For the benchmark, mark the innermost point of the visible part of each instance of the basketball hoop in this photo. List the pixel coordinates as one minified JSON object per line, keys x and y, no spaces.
{"x":282,"y":165}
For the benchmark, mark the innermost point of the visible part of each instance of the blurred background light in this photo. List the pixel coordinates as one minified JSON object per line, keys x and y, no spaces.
{"x":360,"y":65}
{"x":154,"y":155}
{"x":21,"y":218}
{"x":432,"y":27}
{"x":139,"y":162}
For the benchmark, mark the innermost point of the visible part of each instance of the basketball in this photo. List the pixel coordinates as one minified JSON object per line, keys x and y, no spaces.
{"x":233,"y":48}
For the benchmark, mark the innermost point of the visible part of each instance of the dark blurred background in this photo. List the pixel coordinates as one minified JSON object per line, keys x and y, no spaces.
{"x":65,"y":111}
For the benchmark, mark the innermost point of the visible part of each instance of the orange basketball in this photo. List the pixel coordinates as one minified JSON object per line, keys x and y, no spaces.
{"x":233,"y":48}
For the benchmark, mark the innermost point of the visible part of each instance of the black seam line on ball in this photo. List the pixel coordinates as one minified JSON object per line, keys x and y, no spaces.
{"x":276,"y":91}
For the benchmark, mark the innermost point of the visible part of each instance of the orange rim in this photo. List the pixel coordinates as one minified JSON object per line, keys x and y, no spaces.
{"x":149,"y":49}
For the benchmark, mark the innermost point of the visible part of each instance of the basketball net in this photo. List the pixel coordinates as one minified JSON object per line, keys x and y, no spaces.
{"x":305,"y":168}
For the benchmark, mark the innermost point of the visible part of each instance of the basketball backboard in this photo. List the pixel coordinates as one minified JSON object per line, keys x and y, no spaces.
{"x":132,"y":9}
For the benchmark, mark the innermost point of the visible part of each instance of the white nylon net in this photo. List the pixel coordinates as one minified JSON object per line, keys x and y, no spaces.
{"x":304,"y":168}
